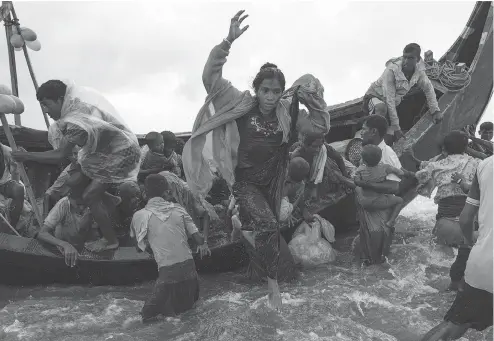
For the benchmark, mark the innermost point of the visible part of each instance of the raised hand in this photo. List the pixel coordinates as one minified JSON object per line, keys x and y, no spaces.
{"x":235,"y":30}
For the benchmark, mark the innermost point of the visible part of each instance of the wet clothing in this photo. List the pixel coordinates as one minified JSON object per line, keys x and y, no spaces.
{"x":165,"y":227}
{"x":260,"y":177}
{"x":451,"y":200}
{"x":109,"y":151}
{"x":374,"y":240}
{"x":250,"y":152}
{"x":271,"y":256}
{"x":176,"y":290}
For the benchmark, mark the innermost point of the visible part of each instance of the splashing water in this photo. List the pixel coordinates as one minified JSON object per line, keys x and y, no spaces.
{"x":337,"y":302}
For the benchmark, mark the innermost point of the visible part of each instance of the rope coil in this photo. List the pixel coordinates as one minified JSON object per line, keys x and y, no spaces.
{"x":447,"y":75}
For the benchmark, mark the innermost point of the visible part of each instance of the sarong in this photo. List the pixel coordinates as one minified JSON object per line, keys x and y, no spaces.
{"x":374,"y":240}
{"x":270,"y":257}
{"x":176,"y":290}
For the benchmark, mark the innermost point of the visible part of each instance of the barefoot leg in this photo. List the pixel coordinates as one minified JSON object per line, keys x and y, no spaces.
{"x":274,"y":295}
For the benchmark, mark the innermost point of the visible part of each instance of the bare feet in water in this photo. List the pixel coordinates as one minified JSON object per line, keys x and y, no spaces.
{"x":274,"y":296}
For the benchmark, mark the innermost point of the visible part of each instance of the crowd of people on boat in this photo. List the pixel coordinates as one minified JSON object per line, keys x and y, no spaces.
{"x":272,"y":160}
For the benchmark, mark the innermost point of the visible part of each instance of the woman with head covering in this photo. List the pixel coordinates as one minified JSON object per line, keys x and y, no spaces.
{"x":109,"y":152}
{"x":251,"y":136}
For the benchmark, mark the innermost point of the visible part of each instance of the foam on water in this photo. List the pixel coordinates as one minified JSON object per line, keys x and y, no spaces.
{"x":336,"y":302}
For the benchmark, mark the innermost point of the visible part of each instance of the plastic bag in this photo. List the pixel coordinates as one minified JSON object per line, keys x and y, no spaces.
{"x":308,"y":248}
{"x":285,"y":210}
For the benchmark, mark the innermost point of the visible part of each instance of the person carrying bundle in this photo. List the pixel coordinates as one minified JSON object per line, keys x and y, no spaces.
{"x":109,"y":154}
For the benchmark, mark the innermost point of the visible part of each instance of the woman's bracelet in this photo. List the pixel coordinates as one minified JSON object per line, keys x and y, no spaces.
{"x":228,"y":42}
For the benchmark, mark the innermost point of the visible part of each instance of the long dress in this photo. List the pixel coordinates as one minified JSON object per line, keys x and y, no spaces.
{"x":259,"y":182}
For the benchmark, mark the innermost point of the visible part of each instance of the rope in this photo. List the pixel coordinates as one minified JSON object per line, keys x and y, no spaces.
{"x":447,"y":75}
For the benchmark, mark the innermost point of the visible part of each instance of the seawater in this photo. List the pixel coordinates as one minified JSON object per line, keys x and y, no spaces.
{"x":340,"y":302}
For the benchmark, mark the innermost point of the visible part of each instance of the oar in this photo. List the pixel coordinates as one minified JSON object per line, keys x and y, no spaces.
{"x":22,"y":171}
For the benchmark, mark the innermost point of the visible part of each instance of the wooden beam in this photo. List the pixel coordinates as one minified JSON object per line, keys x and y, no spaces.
{"x":13,"y":69}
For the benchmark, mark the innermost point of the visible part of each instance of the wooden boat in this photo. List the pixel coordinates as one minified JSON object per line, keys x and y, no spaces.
{"x":27,"y":261}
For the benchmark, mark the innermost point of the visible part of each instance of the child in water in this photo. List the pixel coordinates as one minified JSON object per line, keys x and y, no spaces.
{"x":372,"y":170}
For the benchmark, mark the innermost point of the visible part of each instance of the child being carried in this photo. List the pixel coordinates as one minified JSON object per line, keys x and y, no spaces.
{"x":372,"y":170}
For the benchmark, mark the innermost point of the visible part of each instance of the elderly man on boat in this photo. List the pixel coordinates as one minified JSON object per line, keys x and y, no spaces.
{"x":400,"y":75}
{"x":109,"y":154}
{"x":251,"y":140}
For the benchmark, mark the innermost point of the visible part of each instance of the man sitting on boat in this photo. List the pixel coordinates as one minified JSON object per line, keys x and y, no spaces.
{"x":10,"y":186}
{"x":68,"y":224}
{"x":374,"y":240}
{"x":109,"y":154}
{"x":400,"y":75}
{"x":162,"y":228}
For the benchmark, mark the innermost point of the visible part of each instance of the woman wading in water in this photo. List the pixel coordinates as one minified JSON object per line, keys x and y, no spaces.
{"x":251,"y":136}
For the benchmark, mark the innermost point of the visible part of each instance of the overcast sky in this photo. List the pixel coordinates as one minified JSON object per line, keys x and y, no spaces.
{"x":147,"y":57}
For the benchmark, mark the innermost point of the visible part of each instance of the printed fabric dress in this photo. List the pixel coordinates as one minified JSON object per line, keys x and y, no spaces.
{"x":262,"y":160}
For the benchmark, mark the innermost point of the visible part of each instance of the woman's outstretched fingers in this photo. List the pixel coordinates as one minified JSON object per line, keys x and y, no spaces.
{"x":237,"y":16}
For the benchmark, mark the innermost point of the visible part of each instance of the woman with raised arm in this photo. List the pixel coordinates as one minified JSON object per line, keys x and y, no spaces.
{"x":251,"y":136}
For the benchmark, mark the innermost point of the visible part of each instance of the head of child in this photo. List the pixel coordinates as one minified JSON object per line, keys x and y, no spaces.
{"x":312,"y":142}
{"x":131,"y":196}
{"x":371,"y":155}
{"x":169,"y":142}
{"x":455,"y":143}
{"x":298,"y":170}
{"x":156,"y":186}
{"x":154,"y":141}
